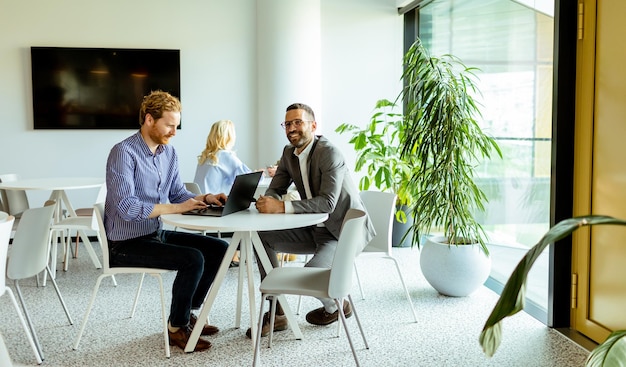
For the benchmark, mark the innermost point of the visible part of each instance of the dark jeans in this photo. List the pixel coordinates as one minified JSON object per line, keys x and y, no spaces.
{"x":196,"y":258}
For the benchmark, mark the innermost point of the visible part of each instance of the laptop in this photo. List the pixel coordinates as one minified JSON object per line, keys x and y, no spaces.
{"x":240,"y":197}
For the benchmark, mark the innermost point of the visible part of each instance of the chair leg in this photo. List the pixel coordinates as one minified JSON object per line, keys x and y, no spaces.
{"x":56,"y":288}
{"x":52,"y":252}
{"x":66,"y":253}
{"x":339,"y":303}
{"x":406,"y":290}
{"x":75,"y":254}
{"x":28,"y":320}
{"x":299,"y":305}
{"x":272,"y":320}
{"x":132,"y":312}
{"x":91,"y":301}
{"x":358,"y":280}
{"x":358,"y":321}
{"x":257,"y":335}
{"x":29,"y":336}
{"x":163,"y":315}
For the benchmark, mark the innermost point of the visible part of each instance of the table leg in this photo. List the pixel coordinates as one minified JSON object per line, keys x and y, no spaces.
{"x":243,"y":259}
{"x":68,"y":205}
{"x":55,"y":196}
{"x":251,"y":303}
{"x":208,"y":302}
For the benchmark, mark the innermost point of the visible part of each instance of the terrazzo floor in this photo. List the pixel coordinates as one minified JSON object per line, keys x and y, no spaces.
{"x":446,"y":334}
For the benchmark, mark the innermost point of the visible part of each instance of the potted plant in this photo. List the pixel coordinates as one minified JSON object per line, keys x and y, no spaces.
{"x":442,"y":133}
{"x":612,"y":352}
{"x":378,"y":153}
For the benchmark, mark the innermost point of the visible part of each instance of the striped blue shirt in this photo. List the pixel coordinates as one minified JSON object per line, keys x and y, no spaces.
{"x":136,"y":180}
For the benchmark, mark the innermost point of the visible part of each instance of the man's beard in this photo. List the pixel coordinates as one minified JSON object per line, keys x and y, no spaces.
{"x":300,"y":142}
{"x":159,"y":138}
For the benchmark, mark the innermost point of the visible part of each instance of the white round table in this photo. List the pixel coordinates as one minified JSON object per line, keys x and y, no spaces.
{"x":59,"y":185}
{"x":244,"y":225}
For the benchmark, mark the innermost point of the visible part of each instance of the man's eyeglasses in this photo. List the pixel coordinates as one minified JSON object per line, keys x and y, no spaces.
{"x":295,"y":123}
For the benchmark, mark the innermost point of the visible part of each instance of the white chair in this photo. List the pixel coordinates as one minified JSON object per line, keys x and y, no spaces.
{"x":29,"y":257}
{"x":108,"y":271}
{"x":381,"y":210}
{"x":5,"y":234}
{"x":193,"y":187}
{"x":88,"y":212}
{"x":334,"y":283}
{"x":2,"y":207}
{"x":15,"y":202}
{"x":81,"y":224}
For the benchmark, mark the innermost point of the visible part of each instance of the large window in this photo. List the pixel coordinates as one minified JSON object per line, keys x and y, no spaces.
{"x":511,"y":43}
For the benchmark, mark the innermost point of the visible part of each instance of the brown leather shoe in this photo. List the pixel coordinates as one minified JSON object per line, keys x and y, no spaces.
{"x":206,"y":330}
{"x":181,"y":337}
{"x":280,"y":324}
{"x":319,"y":316}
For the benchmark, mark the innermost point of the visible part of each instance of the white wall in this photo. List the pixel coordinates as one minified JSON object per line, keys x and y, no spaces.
{"x":361,"y":62}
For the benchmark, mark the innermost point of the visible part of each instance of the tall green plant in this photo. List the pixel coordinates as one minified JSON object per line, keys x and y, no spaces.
{"x":378,"y":153}
{"x":610,"y":353}
{"x":443,"y":136}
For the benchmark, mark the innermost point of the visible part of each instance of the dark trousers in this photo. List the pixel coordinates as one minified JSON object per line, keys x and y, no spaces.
{"x":196,"y":258}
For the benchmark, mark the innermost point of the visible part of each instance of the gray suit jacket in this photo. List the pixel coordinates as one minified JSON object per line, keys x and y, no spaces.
{"x":331,"y":185}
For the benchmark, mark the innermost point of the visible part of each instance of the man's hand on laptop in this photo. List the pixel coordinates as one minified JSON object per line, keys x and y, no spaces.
{"x":217,"y":199}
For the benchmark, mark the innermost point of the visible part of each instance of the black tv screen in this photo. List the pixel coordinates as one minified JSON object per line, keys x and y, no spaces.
{"x":98,"y":88}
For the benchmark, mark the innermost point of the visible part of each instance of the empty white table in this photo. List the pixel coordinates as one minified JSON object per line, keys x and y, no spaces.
{"x":244,"y":225}
{"x":58,"y":186}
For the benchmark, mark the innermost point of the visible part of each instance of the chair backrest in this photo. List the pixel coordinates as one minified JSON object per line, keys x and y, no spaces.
{"x":98,"y":211}
{"x":15,"y":201}
{"x":88,"y":212}
{"x":5,"y":234}
{"x":193,"y":187}
{"x":102,"y":194}
{"x":381,"y":208}
{"x":31,"y":243}
{"x":350,"y":243}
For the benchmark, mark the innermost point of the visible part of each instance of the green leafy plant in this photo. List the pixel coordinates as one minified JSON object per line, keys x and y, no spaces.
{"x":442,"y":135}
{"x":378,"y":154}
{"x":612,"y":352}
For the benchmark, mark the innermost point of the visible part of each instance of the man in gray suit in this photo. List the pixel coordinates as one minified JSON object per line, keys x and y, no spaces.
{"x":319,"y":172}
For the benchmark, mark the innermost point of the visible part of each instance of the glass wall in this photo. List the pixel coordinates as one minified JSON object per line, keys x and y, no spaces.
{"x":511,"y":43}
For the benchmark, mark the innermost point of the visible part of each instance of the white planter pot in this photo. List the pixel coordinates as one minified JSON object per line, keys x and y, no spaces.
{"x":453,"y":270}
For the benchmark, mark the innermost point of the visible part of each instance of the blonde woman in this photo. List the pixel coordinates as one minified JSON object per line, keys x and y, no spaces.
{"x":217,"y":164}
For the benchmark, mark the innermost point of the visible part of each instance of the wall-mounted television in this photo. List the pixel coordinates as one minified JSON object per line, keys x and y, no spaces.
{"x":98,"y":88}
